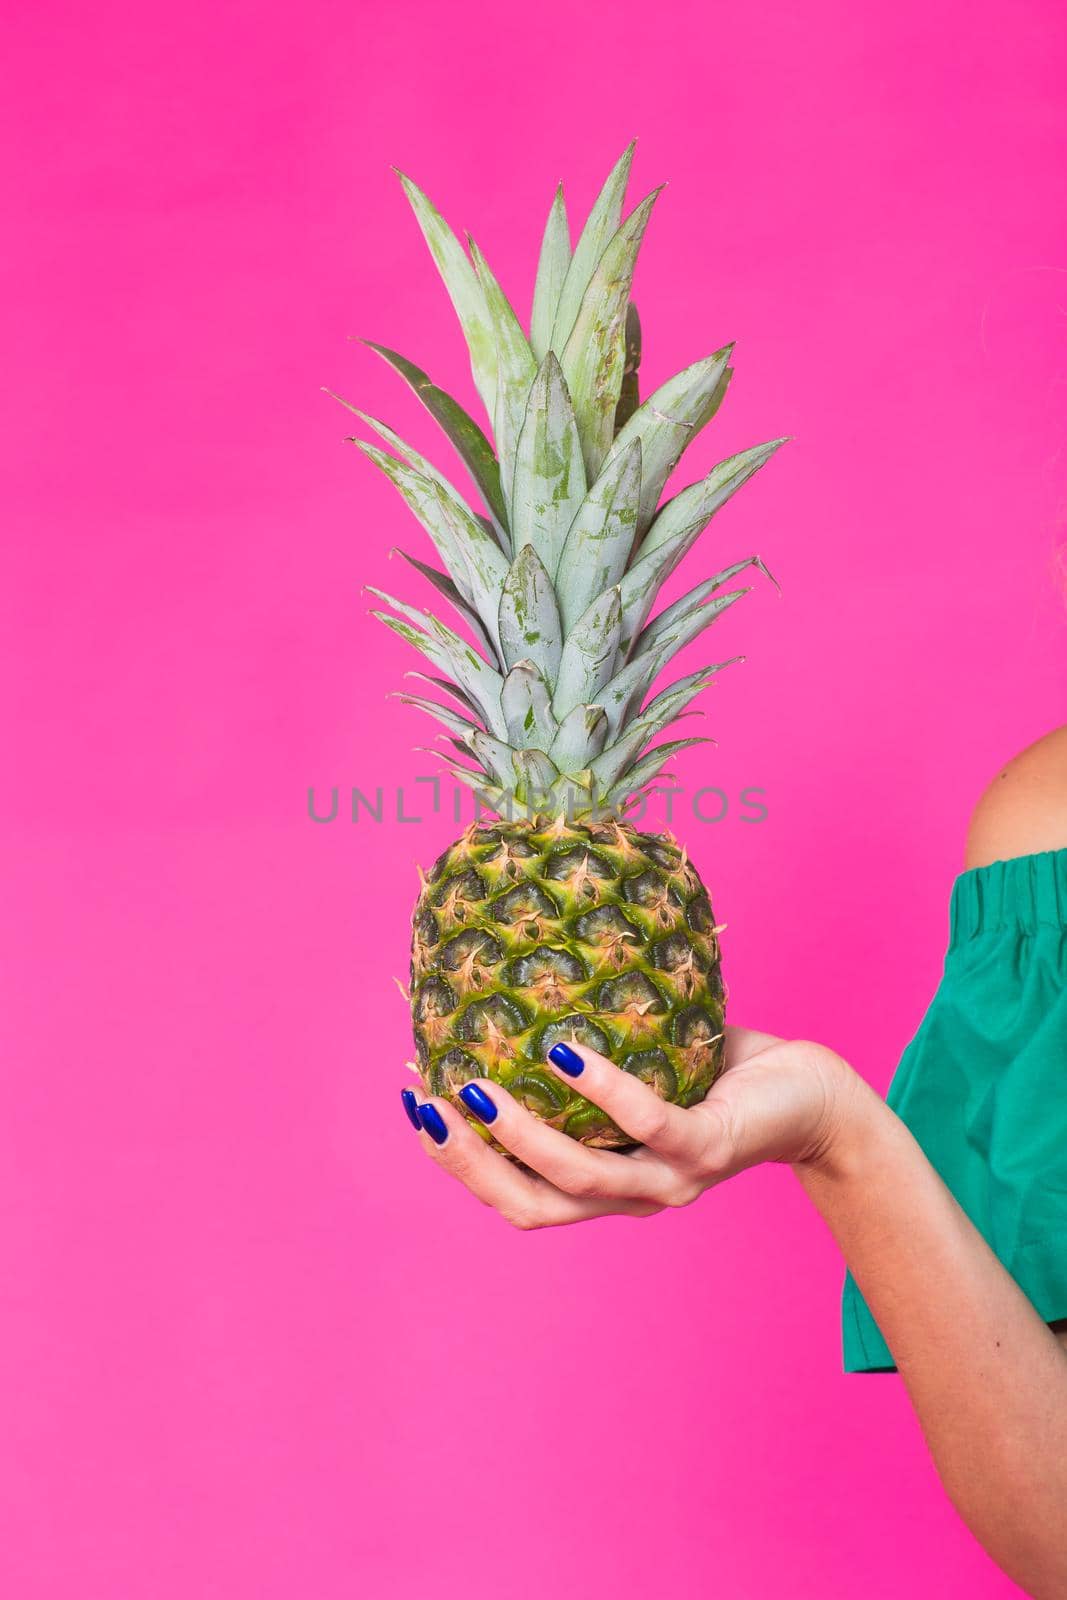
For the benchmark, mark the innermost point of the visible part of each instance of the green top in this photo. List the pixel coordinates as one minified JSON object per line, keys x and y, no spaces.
{"x":983,"y":1084}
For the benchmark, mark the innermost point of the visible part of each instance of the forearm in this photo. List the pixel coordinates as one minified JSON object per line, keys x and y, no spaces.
{"x":987,"y":1378}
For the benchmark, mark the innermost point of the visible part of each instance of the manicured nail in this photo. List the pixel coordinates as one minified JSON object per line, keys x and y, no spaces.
{"x":434,"y":1123}
{"x":411,"y":1106}
{"x":566,"y":1059}
{"x":478,"y":1101}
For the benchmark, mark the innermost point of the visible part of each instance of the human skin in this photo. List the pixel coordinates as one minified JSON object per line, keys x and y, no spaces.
{"x":987,"y":1378}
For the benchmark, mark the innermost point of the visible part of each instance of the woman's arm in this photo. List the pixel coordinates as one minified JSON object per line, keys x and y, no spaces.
{"x":1024,"y":809}
{"x":987,"y":1378}
{"x":1022,"y":812}
{"x":985,"y":1374}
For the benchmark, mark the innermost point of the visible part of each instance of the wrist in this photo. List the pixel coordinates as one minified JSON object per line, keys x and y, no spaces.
{"x":852,"y":1120}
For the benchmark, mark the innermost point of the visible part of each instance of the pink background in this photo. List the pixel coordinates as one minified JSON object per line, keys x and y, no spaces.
{"x":253,"y":1344}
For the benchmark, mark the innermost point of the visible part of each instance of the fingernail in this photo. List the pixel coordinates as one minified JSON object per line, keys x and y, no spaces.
{"x":411,"y":1106}
{"x":478,"y":1101}
{"x":434,"y":1123}
{"x":566,"y":1059}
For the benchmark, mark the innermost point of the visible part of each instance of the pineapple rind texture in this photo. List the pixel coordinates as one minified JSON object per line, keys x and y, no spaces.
{"x":534,"y":931}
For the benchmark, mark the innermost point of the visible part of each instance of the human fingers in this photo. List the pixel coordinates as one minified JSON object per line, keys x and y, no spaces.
{"x":566,"y":1163}
{"x":525,"y":1201}
{"x":670,"y":1132}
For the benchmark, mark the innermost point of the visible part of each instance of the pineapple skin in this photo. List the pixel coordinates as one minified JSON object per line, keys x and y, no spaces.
{"x":534,"y":931}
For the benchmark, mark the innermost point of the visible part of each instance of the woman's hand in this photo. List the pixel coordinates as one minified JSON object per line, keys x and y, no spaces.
{"x":777,"y":1100}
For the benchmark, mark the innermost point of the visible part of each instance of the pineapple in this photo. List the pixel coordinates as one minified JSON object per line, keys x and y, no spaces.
{"x":561,"y":920}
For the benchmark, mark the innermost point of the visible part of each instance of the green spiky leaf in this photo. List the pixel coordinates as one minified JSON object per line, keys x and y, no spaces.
{"x":589,"y":655}
{"x":595,"y":353}
{"x":413,"y":458}
{"x":443,"y":714}
{"x":536,"y":775}
{"x":516,"y":370}
{"x":549,"y":484}
{"x":617,"y":758}
{"x":601,"y":537}
{"x":647,"y":770}
{"x":669,"y":419}
{"x":444,"y":585}
{"x":526,"y":703}
{"x":581,"y":737}
{"x":474,"y":559}
{"x":464,"y":290}
{"x":683,"y":518}
{"x":493,"y":755}
{"x":491,"y":795}
{"x":624,"y":696}
{"x":629,"y":395}
{"x":471,"y":444}
{"x":602,"y":224}
{"x":552,"y":268}
{"x":446,"y":686}
{"x":677,"y":613}
{"x":446,"y":650}
{"x":529,"y":625}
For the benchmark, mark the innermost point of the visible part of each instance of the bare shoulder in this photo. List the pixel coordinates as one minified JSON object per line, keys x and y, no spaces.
{"x":1024,"y":809}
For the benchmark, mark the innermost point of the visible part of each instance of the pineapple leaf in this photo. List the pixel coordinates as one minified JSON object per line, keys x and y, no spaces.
{"x":529,"y":625}
{"x":536,"y":775}
{"x":611,"y":765}
{"x":464,"y":289}
{"x":411,"y":456}
{"x":471,"y":444}
{"x":490,"y":794}
{"x":589,"y":655}
{"x":552,"y":267}
{"x":474,"y":560}
{"x":581,"y":737}
{"x":555,"y":564}
{"x":623,"y":696}
{"x":685,"y":629}
{"x":516,"y":369}
{"x":446,"y":686}
{"x":486,"y":564}
{"x":669,"y":419}
{"x":629,"y":395}
{"x":448,"y":651}
{"x":641,"y":584}
{"x":549,"y":482}
{"x":493,"y":756}
{"x":595,"y":353}
{"x":648,"y":768}
{"x":526,"y":704}
{"x":602,"y":224}
{"x":683,"y":608}
{"x":443,"y":714}
{"x":684,"y":517}
{"x":601,"y":537}
{"x":420,"y":495}
{"x":444,"y":585}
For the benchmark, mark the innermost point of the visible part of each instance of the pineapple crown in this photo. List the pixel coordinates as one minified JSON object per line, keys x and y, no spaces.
{"x":555,"y":578}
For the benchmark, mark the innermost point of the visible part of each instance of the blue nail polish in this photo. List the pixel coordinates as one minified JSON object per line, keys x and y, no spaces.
{"x":566,"y":1059}
{"x":434,"y":1123}
{"x":478,"y":1101}
{"x":411,"y":1106}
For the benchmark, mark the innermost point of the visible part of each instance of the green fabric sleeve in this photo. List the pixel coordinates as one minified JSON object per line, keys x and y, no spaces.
{"x":983,"y":1084}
